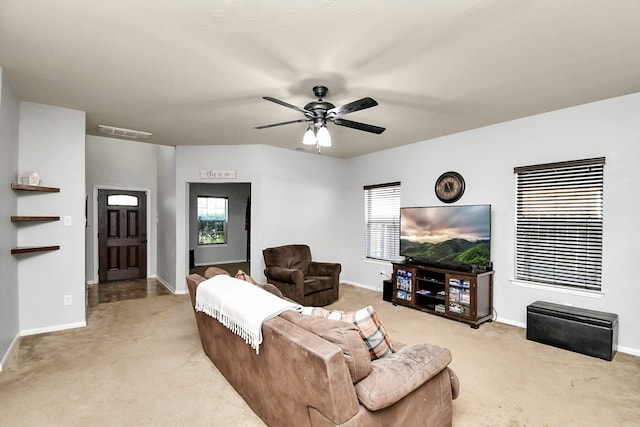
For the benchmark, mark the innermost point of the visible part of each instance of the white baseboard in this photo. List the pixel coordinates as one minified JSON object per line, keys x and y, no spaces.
{"x":35,"y":331}
{"x":621,"y":349}
{"x":628,"y":350}
{"x":202,"y":264}
{"x":12,"y":347}
{"x":168,"y":286}
{"x":511,"y":322}
{"x":360,"y":285}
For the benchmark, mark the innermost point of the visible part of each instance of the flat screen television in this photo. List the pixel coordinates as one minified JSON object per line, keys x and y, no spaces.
{"x":447,"y":236}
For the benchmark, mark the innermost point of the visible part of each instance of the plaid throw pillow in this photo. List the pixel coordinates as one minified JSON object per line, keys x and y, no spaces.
{"x":371,"y":330}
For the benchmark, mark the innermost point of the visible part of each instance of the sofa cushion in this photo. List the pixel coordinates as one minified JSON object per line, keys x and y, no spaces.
{"x":214,"y":271}
{"x":344,"y":335}
{"x":314,"y":284}
{"x":267,"y":287}
{"x":244,"y":276}
{"x":395,"y":376}
{"x":366,"y":319}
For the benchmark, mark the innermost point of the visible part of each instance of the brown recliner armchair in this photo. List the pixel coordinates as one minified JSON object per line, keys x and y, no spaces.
{"x":307,"y":282}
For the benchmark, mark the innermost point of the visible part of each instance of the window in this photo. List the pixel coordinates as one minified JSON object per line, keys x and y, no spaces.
{"x":382,"y":221}
{"x":122,"y":200}
{"x":212,"y":220}
{"x":559,"y":223}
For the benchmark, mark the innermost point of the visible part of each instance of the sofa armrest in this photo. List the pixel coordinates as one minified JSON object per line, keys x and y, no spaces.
{"x":286,"y":275}
{"x":398,"y":374}
{"x":324,"y":269}
{"x":193,"y":280}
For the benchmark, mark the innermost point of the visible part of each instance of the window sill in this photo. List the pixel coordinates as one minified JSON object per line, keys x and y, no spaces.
{"x":378,"y":261}
{"x":557,"y":289}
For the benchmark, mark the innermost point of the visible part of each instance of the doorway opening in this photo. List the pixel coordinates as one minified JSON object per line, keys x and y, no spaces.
{"x":230,"y":222}
{"x":122,"y":235}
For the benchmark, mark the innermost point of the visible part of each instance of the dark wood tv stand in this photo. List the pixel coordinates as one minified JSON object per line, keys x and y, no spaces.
{"x":459,"y":295}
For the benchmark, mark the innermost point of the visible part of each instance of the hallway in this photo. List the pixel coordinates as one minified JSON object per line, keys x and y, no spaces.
{"x":123,"y":290}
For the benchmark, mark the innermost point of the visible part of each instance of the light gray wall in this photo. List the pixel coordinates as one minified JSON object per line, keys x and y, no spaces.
{"x":51,"y":142}
{"x":118,"y":164}
{"x":9,"y":316}
{"x":235,"y":250}
{"x":486,"y":158}
{"x":305,"y":198}
{"x":293,"y":198}
{"x":167,"y":217}
{"x":297,"y":197}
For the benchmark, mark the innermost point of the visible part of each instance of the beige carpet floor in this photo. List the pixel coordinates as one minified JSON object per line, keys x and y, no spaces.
{"x":140,"y":363}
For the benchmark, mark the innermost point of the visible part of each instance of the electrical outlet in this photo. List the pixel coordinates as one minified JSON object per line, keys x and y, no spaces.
{"x":67,"y":220}
{"x":67,"y":300}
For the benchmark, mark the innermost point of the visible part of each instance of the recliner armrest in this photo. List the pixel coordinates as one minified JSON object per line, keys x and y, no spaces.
{"x":398,"y":374}
{"x":287,"y":275}
{"x":324,"y":269}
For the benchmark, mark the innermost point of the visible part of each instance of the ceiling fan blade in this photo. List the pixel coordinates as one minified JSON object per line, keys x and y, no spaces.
{"x":286,"y":104}
{"x":360,"y":126}
{"x":358,"y":105}
{"x":282,"y":123}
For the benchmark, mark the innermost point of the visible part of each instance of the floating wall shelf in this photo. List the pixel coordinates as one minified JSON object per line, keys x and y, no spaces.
{"x":20,"y":218}
{"x":25,"y":187}
{"x":34,"y":218}
{"x":31,"y":249}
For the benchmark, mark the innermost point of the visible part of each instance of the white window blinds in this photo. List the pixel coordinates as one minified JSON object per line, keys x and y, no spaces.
{"x":559,"y":223}
{"x":382,"y":221}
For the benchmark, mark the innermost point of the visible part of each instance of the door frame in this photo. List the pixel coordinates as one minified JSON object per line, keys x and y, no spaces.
{"x":150,"y":236}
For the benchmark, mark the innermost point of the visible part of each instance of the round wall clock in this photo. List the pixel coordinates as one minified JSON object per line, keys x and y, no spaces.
{"x":450,"y":187}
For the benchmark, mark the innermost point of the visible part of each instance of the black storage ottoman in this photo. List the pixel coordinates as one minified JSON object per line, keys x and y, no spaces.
{"x":589,"y":332}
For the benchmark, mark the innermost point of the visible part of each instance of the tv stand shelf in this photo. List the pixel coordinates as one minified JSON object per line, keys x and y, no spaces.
{"x":458,"y":295}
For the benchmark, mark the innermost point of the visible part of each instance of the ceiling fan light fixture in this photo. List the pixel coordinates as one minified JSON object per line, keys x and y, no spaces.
{"x":320,"y":112}
{"x":323,"y":138}
{"x":309,"y":137}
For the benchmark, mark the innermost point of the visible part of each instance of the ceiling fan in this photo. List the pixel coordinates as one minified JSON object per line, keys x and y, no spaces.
{"x":320,"y":112}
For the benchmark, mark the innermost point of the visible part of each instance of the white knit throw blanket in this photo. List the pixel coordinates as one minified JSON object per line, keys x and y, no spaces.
{"x":240,"y":306}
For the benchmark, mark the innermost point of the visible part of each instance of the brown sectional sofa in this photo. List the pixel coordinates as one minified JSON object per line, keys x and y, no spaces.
{"x":317,"y":372}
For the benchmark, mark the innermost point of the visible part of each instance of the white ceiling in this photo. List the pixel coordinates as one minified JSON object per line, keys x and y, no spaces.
{"x":193,"y":72}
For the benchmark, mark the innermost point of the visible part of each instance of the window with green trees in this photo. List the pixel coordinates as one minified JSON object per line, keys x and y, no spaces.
{"x":212,"y":220}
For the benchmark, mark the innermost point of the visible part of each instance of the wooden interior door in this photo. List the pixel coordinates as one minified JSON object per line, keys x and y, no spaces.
{"x":122,"y":235}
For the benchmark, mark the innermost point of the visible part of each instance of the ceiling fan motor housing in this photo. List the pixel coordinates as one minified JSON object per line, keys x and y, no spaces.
{"x":319,"y":107}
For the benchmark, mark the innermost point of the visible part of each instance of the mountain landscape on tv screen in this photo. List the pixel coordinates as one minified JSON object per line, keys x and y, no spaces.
{"x":454,"y":250}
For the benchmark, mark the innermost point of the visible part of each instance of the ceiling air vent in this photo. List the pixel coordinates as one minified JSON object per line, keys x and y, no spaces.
{"x":122,"y":132}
